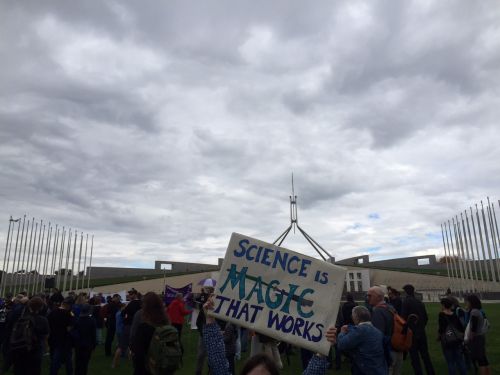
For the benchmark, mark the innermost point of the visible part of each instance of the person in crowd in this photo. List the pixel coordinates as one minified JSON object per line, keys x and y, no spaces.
{"x":152,"y":315}
{"x":95,"y":302}
{"x":14,"y":306}
{"x":258,"y":364}
{"x":475,"y":335}
{"x":176,"y":312}
{"x":382,"y":318}
{"x":80,"y":300}
{"x":109,"y":315}
{"x":450,"y":333}
{"x":56,"y":298}
{"x":121,"y":349}
{"x":27,"y":357}
{"x":200,"y":323}
{"x":61,"y":320}
{"x":85,"y":339}
{"x":128,"y":315}
{"x":414,"y":312}
{"x":364,"y":342}
{"x":347,"y":309}
{"x":229,"y":333}
{"x":395,"y":299}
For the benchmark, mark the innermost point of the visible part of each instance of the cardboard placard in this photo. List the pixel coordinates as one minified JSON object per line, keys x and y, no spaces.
{"x":279,"y":293}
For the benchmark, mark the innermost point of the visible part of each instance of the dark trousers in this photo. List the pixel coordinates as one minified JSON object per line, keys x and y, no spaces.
{"x":419,"y":350}
{"x":178,"y":327}
{"x":27,"y":363}
{"x":62,"y":356}
{"x":230,"y":360}
{"x":82,"y":359}
{"x":455,"y":360}
{"x":110,"y":335}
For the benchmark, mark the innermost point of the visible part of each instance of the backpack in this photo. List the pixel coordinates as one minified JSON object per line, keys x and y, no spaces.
{"x":402,"y":335}
{"x":23,"y":336}
{"x":164,"y":354}
{"x":451,"y":335}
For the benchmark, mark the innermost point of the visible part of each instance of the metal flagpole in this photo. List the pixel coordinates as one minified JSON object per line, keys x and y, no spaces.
{"x":40,"y":264}
{"x":493,"y":241}
{"x":38,"y":260}
{"x":61,"y":256}
{"x":446,"y":257}
{"x":16,"y":274}
{"x":26,"y":266}
{"x":460,"y":258}
{"x":493,"y":237}
{"x":90,"y":263}
{"x":479,"y":264}
{"x":11,"y":283}
{"x":479,"y":281}
{"x":465,"y":261}
{"x":456,"y":258}
{"x":469,"y":261}
{"x":486,"y":239}
{"x":4,"y":268}
{"x":19,"y":279}
{"x":79,"y":261}
{"x":454,"y":273}
{"x":73,"y":263}
{"x":46,"y":260}
{"x":67,"y":261}
{"x":54,"y":254}
{"x":485,"y":262}
{"x":28,"y":286}
{"x":494,"y":220}
{"x":85,"y":262}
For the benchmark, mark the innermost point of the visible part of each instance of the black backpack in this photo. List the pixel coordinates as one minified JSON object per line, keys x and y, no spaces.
{"x":23,"y":336}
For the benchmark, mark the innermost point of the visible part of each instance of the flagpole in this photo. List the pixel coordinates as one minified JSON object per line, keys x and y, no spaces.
{"x":61,"y":256}
{"x":451,"y":255}
{"x":15,"y":256}
{"x":4,"y":270}
{"x":446,"y":257}
{"x":85,"y":262}
{"x":26,"y":266}
{"x":470,"y":264}
{"x":79,"y":261}
{"x":34,"y":253}
{"x":54,"y":256}
{"x":493,"y":238}
{"x":19,"y":278}
{"x":46,"y":260}
{"x":67,"y":260}
{"x":477,"y":264}
{"x":487,"y":240}
{"x":73,"y":262}
{"x":90,"y":264}
{"x":457,"y":259}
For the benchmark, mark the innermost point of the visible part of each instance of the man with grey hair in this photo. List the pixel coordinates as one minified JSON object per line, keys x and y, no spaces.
{"x":383,"y":320}
{"x":365,"y":343}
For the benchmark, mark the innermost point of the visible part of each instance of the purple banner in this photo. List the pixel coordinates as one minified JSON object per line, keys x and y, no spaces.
{"x":187,"y":292}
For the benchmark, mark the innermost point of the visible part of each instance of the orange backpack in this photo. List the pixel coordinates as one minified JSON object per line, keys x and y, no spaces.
{"x":402,"y":335}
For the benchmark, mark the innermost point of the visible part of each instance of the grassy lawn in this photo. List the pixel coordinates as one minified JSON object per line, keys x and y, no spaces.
{"x":100,"y":365}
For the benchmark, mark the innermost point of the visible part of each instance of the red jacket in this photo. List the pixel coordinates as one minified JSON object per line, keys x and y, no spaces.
{"x":176,"y":312}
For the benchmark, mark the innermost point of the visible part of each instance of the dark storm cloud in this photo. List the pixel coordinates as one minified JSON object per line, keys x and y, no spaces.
{"x":163,"y":127}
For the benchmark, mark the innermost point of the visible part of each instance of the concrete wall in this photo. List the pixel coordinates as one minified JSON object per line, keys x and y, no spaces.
{"x":110,"y":272}
{"x":408,"y":262}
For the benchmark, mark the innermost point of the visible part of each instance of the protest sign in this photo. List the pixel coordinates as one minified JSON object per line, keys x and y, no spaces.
{"x":170,"y":293}
{"x":279,"y":293}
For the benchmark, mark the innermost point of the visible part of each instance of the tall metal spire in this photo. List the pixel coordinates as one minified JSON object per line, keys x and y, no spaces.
{"x":294,"y":223}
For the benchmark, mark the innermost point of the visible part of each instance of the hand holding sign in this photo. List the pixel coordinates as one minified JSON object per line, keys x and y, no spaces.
{"x":279,"y":293}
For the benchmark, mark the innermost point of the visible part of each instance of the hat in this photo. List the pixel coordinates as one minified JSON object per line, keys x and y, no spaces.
{"x":409,"y":289}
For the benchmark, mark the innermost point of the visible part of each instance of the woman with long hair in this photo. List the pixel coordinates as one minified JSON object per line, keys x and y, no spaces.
{"x":451,"y":333}
{"x":475,"y":334}
{"x":153,"y":315}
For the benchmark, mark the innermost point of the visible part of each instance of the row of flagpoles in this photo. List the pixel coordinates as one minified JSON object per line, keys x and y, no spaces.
{"x":36,"y":252}
{"x":471,"y":244}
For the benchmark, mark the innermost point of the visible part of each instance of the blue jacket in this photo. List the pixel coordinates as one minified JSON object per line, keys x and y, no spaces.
{"x":365,"y":342}
{"x":214,"y":343}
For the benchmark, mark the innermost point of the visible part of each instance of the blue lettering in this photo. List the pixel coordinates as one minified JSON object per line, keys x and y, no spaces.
{"x":234,"y":305}
{"x":296,"y":259}
{"x":303,"y":267}
{"x":319,"y":327}
{"x":248,"y":252}
{"x":244,"y":310}
{"x":280,"y":258}
{"x":299,"y":303}
{"x":265,"y":257}
{"x":242,"y":247}
{"x":234,"y":278}
{"x":256,"y":309}
{"x":291,"y":293}
{"x":307,"y":328}
{"x":258,"y":254}
{"x":222,"y":300}
{"x":296,"y":328}
{"x":257,"y":287}
{"x":279,"y":295}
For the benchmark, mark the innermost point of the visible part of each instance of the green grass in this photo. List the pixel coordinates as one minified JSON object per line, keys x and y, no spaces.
{"x":100,"y":365}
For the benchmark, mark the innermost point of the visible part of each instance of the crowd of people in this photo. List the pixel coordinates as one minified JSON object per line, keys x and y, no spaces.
{"x":68,"y":329}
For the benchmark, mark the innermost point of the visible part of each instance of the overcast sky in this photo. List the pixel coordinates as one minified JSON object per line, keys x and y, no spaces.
{"x":163,"y":127}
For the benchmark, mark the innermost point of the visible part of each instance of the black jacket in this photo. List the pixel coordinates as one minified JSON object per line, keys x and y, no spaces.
{"x":413,"y":306}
